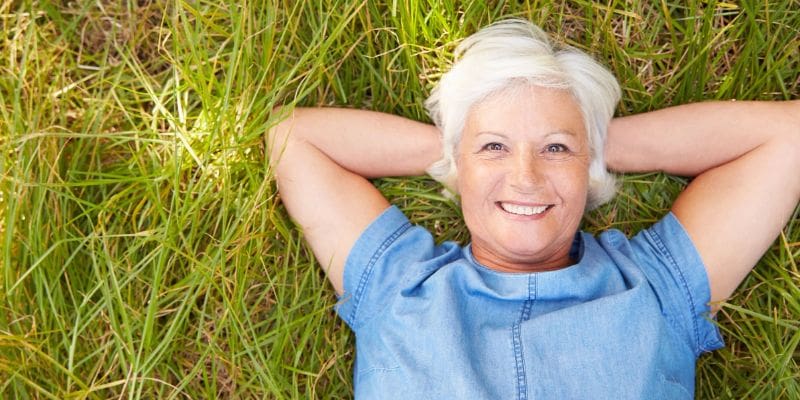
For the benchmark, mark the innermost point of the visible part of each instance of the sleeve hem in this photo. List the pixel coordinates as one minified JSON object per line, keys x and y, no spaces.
{"x":369,"y":247}
{"x":682,"y":255}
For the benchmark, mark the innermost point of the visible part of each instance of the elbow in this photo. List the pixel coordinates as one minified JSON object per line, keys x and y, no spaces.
{"x":791,"y":138}
{"x":795,"y":164}
{"x":786,"y":132}
{"x":795,"y":111}
{"x":278,"y":132}
{"x":794,"y":158}
{"x":788,"y":143}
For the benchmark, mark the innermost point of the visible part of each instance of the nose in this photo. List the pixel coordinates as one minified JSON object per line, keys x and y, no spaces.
{"x":526,"y":172}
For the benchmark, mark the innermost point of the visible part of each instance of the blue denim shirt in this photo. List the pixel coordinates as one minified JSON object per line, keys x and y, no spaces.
{"x":628,"y":321}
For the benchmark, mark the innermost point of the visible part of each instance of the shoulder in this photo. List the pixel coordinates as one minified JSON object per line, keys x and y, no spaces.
{"x":671,"y":263}
{"x":664,"y":241}
{"x":388,"y":254}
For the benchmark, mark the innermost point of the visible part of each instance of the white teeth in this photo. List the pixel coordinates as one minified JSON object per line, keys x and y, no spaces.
{"x":522,"y":210}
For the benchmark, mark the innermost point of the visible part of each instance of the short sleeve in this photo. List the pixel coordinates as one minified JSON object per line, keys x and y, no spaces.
{"x":387,"y":252}
{"x":673,"y":267}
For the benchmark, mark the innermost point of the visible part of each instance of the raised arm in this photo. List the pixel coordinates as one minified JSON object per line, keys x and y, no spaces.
{"x":745,"y":157}
{"x":322,"y":159}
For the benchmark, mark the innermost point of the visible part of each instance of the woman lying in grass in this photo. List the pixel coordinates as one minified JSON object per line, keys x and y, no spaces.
{"x":532,"y":307}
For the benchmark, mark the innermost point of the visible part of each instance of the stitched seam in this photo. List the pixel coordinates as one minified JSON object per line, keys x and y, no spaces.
{"x":365,"y":276}
{"x":516,"y":332}
{"x":362,"y":374}
{"x":519,"y":363}
{"x":675,"y":384}
{"x":663,"y":249}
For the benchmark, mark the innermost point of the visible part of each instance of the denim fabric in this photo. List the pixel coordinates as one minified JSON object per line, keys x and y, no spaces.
{"x":628,"y":321}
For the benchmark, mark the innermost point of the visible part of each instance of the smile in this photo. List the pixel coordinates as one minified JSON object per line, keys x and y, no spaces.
{"x":522,"y":210}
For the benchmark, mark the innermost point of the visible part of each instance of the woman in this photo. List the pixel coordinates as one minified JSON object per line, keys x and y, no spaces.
{"x":533,"y":308}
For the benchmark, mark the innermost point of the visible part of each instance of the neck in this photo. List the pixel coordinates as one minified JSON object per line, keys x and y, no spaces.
{"x":521,"y":264}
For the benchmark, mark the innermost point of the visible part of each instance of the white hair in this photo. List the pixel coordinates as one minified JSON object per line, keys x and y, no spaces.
{"x":515,"y":52}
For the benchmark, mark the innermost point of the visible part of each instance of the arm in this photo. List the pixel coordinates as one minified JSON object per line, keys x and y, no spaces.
{"x":322,"y":159}
{"x":745,"y":157}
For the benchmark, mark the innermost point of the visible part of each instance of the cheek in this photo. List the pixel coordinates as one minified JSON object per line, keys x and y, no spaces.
{"x":576,"y":184}
{"x":467,"y":190}
{"x":475,"y":183}
{"x":466,"y":177}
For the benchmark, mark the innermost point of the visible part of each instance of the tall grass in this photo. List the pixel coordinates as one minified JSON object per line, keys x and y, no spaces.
{"x":145,"y":251}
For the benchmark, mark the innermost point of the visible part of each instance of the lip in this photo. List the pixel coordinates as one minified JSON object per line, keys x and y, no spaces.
{"x":522,"y":217}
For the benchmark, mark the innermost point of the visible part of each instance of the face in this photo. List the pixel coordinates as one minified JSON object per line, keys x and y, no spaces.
{"x":523,"y":178}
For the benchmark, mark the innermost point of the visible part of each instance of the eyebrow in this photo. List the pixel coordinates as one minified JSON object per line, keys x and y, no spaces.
{"x":491,"y":133}
{"x":562,"y":132}
{"x":553,"y":133}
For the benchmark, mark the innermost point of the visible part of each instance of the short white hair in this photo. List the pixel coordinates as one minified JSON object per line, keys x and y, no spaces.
{"x":516,"y":52}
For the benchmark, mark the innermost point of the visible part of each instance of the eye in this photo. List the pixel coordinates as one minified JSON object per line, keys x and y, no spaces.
{"x":556,"y":148}
{"x":494,"y":146}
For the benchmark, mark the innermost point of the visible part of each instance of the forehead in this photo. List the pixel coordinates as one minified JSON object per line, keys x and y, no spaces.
{"x":526,"y":110}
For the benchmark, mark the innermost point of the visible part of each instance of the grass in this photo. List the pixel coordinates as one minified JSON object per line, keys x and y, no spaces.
{"x":145,"y":252}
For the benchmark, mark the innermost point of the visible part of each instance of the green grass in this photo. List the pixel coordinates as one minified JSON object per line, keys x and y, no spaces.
{"x":146,"y":254}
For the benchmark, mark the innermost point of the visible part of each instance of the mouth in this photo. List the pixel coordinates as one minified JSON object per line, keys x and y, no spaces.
{"x":518,"y":209}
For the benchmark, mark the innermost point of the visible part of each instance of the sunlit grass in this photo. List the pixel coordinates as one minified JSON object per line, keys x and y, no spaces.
{"x":145,"y":250}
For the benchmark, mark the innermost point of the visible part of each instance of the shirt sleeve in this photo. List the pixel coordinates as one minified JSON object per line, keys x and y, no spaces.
{"x":388,"y":250}
{"x":673,"y":267}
